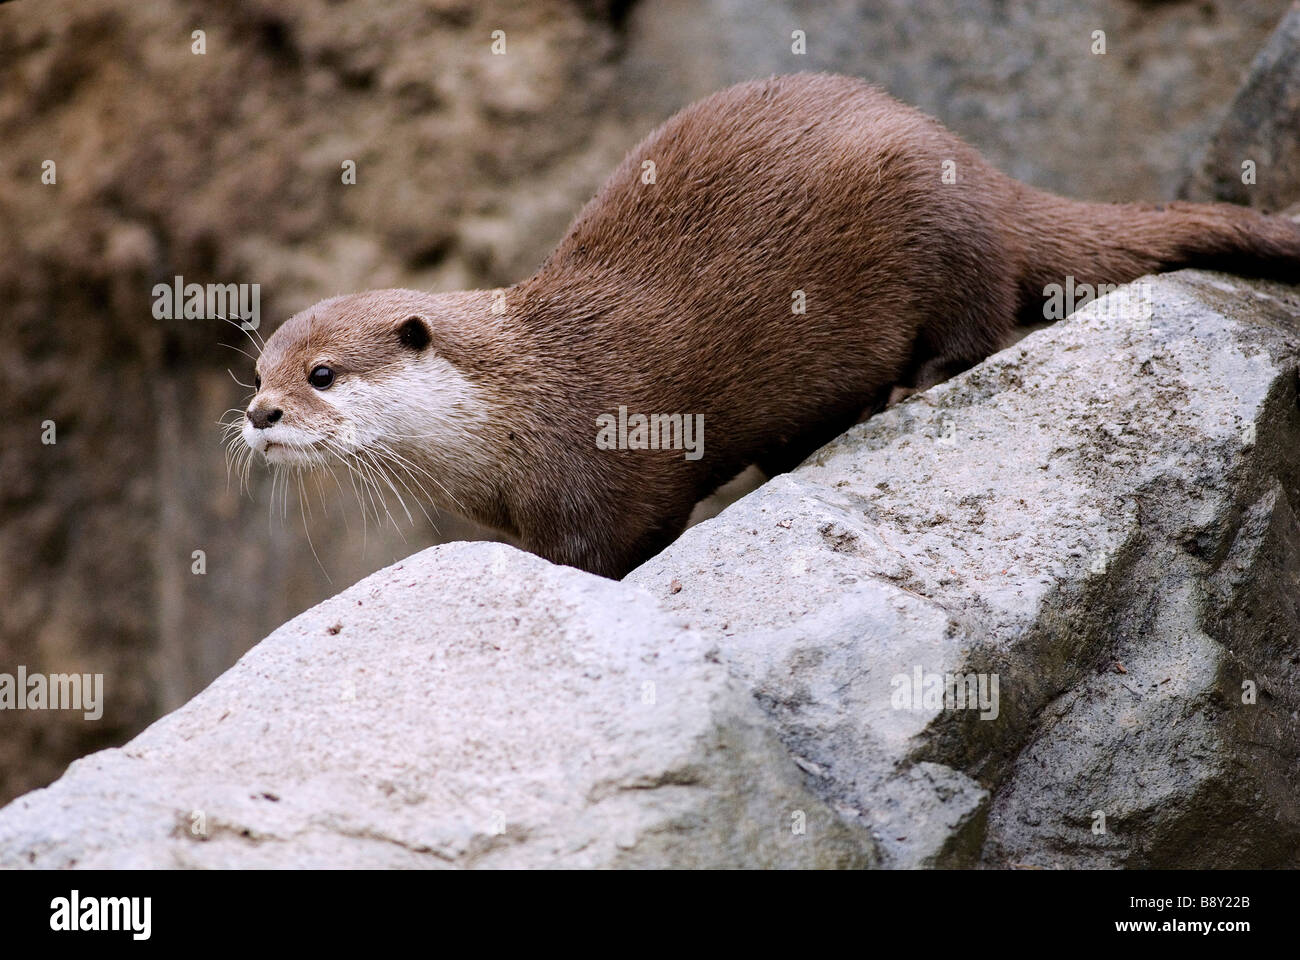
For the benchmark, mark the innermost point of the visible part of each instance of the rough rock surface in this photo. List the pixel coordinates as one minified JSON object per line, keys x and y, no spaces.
{"x":470,"y":706}
{"x":1019,"y":80}
{"x":1260,"y":130}
{"x":225,"y":167}
{"x":1102,"y":516}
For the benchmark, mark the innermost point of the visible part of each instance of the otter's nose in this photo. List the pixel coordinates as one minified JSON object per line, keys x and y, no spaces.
{"x":261,"y":417}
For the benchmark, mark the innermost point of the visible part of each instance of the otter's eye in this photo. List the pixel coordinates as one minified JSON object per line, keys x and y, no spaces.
{"x":257,"y":381}
{"x":413,"y":334}
{"x":321,"y":378}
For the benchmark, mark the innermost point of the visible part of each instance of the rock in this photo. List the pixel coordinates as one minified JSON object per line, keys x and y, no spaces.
{"x":1025,"y":82}
{"x":1117,"y":488}
{"x":470,"y":706}
{"x":225,"y":167}
{"x":1259,"y":130}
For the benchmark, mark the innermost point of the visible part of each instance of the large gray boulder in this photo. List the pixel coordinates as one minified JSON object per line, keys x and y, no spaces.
{"x":472,"y":706}
{"x":1094,"y":528}
{"x":1100,"y":516}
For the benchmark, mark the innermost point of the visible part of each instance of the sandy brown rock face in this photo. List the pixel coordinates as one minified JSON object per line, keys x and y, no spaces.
{"x":226,"y":167}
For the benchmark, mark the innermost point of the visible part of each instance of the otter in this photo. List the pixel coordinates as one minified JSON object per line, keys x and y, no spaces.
{"x":769,"y":264}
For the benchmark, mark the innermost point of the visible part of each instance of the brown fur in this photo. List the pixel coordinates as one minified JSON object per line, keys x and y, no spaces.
{"x":675,"y":297}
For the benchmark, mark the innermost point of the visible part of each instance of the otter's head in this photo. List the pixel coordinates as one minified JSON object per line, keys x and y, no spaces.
{"x":357,"y":376}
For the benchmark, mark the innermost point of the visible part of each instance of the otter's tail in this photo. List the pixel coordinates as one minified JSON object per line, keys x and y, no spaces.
{"x":1096,"y":243}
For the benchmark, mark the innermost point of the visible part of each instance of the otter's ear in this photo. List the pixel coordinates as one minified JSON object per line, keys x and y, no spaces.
{"x":413,"y":334}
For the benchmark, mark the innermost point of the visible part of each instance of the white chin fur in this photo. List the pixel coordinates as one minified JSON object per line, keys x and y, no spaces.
{"x":281,"y":455}
{"x":280,"y":444}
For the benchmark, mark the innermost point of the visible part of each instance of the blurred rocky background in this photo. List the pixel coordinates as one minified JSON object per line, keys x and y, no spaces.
{"x":225,"y":167}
